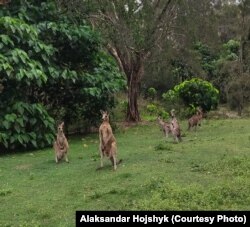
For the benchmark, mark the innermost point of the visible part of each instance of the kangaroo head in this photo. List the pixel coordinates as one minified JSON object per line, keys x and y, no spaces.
{"x":60,"y":127}
{"x":105,"y":115}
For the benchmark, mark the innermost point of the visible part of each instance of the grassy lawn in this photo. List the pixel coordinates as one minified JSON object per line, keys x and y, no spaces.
{"x":209,"y":170}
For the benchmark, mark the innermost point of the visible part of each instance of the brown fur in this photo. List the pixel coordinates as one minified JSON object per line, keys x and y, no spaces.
{"x":164,"y":126}
{"x":108,"y":146}
{"x":175,"y":127}
{"x":195,"y":120}
{"x":61,"y":145}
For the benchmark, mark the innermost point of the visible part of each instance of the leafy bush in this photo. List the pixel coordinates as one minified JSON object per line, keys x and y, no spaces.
{"x":163,"y":114}
{"x":26,"y":125}
{"x":152,"y":109}
{"x":48,"y":63}
{"x":232,"y":46}
{"x":155,"y":110}
{"x":152,"y":93}
{"x":207,"y":58}
{"x":189,"y":111}
{"x":195,"y":92}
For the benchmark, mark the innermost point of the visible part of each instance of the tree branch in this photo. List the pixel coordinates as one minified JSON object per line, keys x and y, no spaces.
{"x":159,"y":18}
{"x":115,"y":54}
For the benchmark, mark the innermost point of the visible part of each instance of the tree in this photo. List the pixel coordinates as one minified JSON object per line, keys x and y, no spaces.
{"x":233,"y":65}
{"x":180,"y":60}
{"x":244,"y":25}
{"x":132,"y":30}
{"x":50,"y":68}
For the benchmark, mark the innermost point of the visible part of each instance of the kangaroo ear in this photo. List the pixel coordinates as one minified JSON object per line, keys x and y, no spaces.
{"x":102,"y":112}
{"x":62,"y":124}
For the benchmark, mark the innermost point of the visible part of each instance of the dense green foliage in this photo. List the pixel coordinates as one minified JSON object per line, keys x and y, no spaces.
{"x":24,"y":122}
{"x":207,"y":60}
{"x":151,"y":93}
{"x":26,"y":125}
{"x":49,"y":63}
{"x":195,"y":92}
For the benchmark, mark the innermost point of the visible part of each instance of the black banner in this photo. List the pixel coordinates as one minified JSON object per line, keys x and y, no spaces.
{"x":161,"y":217}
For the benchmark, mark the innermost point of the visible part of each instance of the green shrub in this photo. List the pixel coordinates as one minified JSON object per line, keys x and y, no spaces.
{"x":195,"y":93}
{"x":163,"y":114}
{"x":26,"y":125}
{"x":152,"y":109}
{"x":152,"y":93}
{"x":189,"y":111}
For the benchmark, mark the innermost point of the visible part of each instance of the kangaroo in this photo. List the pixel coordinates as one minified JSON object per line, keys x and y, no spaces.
{"x":175,"y":127}
{"x":195,"y":119}
{"x":164,"y":126}
{"x":107,"y":146}
{"x":61,"y":145}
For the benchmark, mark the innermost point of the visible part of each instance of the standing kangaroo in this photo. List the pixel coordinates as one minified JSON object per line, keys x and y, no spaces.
{"x":175,"y":127}
{"x":107,"y":146}
{"x":195,"y":119}
{"x":166,"y":128}
{"x":61,"y":145}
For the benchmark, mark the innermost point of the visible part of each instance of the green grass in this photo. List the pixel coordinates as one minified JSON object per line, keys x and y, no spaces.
{"x":209,"y":170}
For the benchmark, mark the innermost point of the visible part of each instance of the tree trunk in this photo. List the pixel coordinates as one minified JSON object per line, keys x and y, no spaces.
{"x":133,"y":93}
{"x":134,"y":76}
{"x":240,"y":108}
{"x":133,"y":67}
